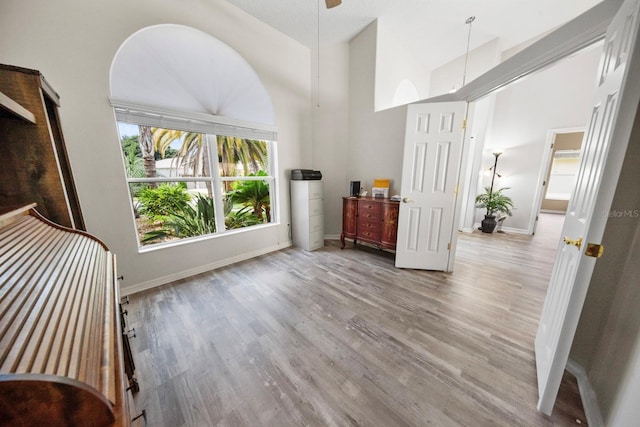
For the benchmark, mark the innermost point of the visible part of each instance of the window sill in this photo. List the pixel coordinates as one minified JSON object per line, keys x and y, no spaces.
{"x":190,"y":240}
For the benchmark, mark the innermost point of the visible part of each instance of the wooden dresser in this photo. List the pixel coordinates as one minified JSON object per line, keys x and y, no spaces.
{"x":62,"y":341}
{"x":371,"y":220}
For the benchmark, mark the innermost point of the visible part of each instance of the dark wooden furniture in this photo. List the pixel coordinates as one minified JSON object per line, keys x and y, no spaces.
{"x":371,"y":220}
{"x":35,"y":166}
{"x":61,"y":332}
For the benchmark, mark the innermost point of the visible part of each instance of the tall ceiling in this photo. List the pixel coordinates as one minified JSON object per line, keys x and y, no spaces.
{"x":435,"y":27}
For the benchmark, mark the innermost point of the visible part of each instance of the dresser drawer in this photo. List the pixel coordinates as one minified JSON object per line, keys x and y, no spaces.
{"x":369,"y":223}
{"x":373,"y":235}
{"x":365,"y":207}
{"x":369,"y":211}
{"x":371,"y":220}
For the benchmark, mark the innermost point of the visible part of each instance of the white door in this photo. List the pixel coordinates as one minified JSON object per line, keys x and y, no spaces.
{"x":604,"y":145}
{"x":432,"y":154}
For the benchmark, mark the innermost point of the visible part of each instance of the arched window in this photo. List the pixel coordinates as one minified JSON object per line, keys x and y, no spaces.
{"x":197,"y":135}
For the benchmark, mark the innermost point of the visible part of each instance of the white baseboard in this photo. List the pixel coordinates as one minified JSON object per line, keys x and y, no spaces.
{"x":515,"y":230}
{"x":588,"y":396}
{"x":477,"y":225}
{"x":139,"y":287}
{"x":331,"y":237}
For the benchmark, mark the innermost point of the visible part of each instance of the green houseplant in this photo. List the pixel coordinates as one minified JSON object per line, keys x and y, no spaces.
{"x":494,"y":202}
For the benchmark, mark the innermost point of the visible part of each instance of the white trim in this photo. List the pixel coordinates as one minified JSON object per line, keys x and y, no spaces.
{"x":191,"y":121}
{"x":274,"y":187}
{"x":202,"y":178}
{"x":331,"y":237}
{"x":587,"y":395}
{"x":460,"y":177}
{"x":193,"y":239}
{"x":544,"y":168}
{"x":478,"y":225}
{"x":515,"y":230}
{"x":149,"y":284}
{"x":218,"y":208}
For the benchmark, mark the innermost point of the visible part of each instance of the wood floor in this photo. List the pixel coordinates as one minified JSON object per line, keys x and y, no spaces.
{"x":342,"y":338}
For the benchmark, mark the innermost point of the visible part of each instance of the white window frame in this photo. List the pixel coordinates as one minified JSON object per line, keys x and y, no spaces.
{"x":210,"y":126}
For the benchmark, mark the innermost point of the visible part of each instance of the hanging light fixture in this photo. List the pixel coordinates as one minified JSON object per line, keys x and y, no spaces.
{"x":469,"y":21}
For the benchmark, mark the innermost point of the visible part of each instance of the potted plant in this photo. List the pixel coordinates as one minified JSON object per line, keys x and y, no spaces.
{"x":494,"y":202}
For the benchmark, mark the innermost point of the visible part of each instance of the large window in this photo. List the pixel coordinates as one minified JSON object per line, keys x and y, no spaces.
{"x":197,"y":130}
{"x":563,"y":174}
{"x":184,"y":184}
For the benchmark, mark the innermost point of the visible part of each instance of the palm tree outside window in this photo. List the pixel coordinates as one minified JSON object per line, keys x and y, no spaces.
{"x":184,"y":184}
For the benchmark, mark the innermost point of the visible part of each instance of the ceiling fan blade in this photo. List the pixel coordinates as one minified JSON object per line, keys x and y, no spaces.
{"x":332,"y":3}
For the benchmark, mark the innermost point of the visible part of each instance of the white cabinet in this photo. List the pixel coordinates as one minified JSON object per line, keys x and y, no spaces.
{"x":307,"y":214}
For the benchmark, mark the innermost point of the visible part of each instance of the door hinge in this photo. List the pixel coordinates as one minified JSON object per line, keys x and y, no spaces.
{"x":448,"y":246}
{"x":455,"y":189}
{"x":464,"y":123}
{"x":594,"y":250}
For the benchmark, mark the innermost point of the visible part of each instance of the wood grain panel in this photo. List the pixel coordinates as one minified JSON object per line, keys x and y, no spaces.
{"x":60,"y":357}
{"x":36,"y":165}
{"x":371,"y":220}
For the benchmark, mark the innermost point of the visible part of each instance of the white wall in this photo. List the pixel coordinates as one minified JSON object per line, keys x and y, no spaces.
{"x":331,"y":129}
{"x":396,"y":70}
{"x":449,"y":75}
{"x":73,"y":43}
{"x":557,"y":97}
{"x":376,"y":139}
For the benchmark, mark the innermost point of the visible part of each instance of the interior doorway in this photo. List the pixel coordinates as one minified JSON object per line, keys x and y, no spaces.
{"x":562,"y":170}
{"x":558,"y":174}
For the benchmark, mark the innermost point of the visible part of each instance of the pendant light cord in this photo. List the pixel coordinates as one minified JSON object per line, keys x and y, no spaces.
{"x":466,"y":56}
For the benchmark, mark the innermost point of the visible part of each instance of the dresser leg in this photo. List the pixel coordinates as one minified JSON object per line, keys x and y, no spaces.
{"x":341,"y":240}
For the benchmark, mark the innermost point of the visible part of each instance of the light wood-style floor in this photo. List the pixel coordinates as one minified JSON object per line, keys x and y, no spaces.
{"x":342,"y":338}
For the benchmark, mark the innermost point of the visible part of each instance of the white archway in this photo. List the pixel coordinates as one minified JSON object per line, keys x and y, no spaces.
{"x":179,"y":68}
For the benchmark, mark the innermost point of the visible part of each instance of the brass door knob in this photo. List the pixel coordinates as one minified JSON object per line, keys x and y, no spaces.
{"x":406,"y":200}
{"x":577,"y":242}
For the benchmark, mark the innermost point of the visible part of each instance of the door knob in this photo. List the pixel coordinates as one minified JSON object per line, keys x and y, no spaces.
{"x":577,"y":242}
{"x":406,"y":200}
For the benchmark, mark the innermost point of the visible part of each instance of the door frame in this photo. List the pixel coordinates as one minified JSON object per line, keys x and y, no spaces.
{"x":544,"y":170}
